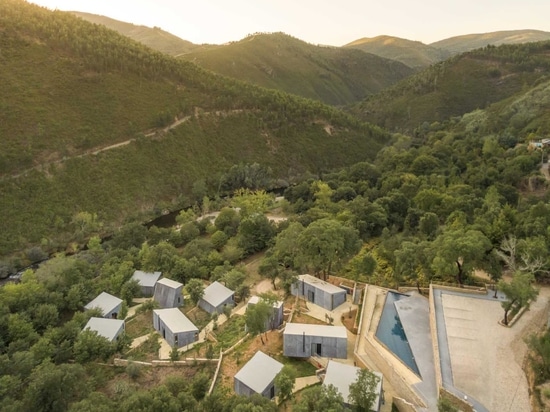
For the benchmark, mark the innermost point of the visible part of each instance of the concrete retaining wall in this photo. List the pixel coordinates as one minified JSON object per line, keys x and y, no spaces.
{"x":435,"y":342}
{"x":403,"y":406}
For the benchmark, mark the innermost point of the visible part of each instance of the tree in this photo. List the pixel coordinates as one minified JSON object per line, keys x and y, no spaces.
{"x":287,"y":245}
{"x":411,"y":265}
{"x":200,"y":386}
{"x":257,"y":317}
{"x":52,"y":388}
{"x":284,"y":382}
{"x":251,"y":202}
{"x":326,"y":244}
{"x":362,"y":392}
{"x":362,"y":265}
{"x":228,"y":221}
{"x":90,"y":346}
{"x":269,"y":268}
{"x":234,"y":278}
{"x":458,"y":252}
{"x":129,"y":291}
{"x":161,"y":257}
{"x":519,"y":292}
{"x":195,"y":288}
{"x":320,"y":398}
{"x":255,"y":232}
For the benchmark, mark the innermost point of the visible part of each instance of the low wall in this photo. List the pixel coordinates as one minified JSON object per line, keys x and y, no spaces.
{"x":435,"y":342}
{"x":461,"y":404}
{"x":479,"y":290}
{"x":155,"y":363}
{"x":403,"y":406}
{"x":216,"y":374}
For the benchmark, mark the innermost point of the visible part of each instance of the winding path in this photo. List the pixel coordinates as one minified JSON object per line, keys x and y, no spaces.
{"x":149,"y":134}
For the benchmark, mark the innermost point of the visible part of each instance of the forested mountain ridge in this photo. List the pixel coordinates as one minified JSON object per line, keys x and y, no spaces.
{"x":414,"y":54}
{"x":153,"y":37}
{"x":419,"y":55}
{"x":71,"y":87}
{"x":459,"y":85}
{"x":460,"y":44}
{"x":332,"y":75}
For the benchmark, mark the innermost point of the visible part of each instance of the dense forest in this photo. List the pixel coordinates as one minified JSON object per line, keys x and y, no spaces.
{"x":96,"y":88}
{"x":462,"y":192}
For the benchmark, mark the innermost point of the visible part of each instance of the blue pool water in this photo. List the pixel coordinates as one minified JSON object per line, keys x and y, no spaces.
{"x":391,"y":333}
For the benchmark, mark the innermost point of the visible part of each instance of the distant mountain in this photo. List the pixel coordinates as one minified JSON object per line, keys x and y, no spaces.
{"x":334,"y":75}
{"x":155,"y":37}
{"x":414,"y":54}
{"x":461,"y":84}
{"x":460,"y":44}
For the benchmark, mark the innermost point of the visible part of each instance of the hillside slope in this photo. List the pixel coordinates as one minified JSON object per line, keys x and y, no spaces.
{"x":414,"y":54}
{"x":71,"y":88}
{"x":154,"y":37}
{"x":458,"y":85}
{"x":461,"y":44}
{"x":332,"y":75}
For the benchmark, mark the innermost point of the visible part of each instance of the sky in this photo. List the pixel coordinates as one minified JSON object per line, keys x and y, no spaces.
{"x":326,"y":22}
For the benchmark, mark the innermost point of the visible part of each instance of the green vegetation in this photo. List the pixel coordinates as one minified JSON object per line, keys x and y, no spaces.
{"x":154,"y":37}
{"x":96,"y":88}
{"x":457,"y":86}
{"x":460,"y":194}
{"x":333,"y":75}
{"x":460,"y":44}
{"x":414,"y":54}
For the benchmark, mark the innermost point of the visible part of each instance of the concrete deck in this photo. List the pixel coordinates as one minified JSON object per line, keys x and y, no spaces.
{"x":415,"y":318}
{"x":480,"y":359}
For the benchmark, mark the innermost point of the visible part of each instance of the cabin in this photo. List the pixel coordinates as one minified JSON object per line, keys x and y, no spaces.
{"x":108,"y":328}
{"x":216,"y":296}
{"x":174,"y":327}
{"x":109,"y":305}
{"x":341,"y":376}
{"x":319,"y":292}
{"x":276,"y":318}
{"x":302,"y":340}
{"x":258,"y":376}
{"x":146,"y":281}
{"x":168,"y":293}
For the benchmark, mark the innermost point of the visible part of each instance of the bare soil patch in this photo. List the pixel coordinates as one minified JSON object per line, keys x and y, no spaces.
{"x":233,"y":362}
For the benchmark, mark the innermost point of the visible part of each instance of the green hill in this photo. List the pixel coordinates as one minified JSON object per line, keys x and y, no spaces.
{"x":459,"y":85}
{"x":414,"y":54}
{"x":336,"y":76}
{"x":461,"y":44}
{"x":71,"y":88}
{"x":155,"y":37}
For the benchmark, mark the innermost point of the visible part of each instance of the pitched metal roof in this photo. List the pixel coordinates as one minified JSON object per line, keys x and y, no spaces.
{"x":175,"y":320}
{"x":320,"y":284}
{"x":216,"y":293}
{"x":105,"y":327}
{"x":315,"y":330}
{"x":259,"y":372}
{"x":147,"y":279}
{"x":105,"y":302}
{"x":170,"y":283}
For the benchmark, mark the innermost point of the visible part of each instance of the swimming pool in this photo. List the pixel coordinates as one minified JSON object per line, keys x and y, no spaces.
{"x":391,"y":333}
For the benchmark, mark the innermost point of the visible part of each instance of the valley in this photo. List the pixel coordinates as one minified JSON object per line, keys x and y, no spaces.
{"x":329,"y":207}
